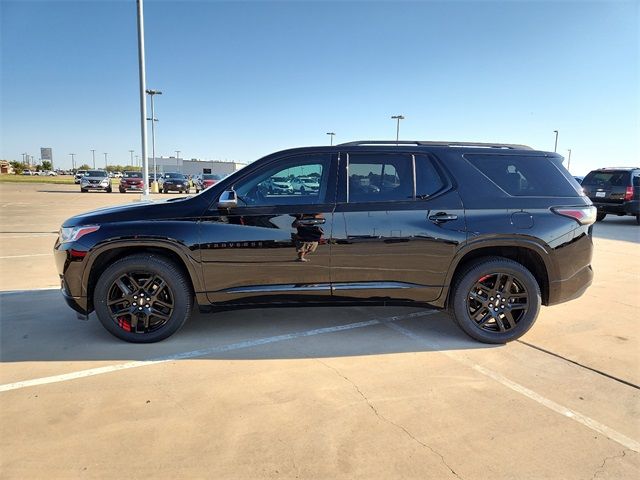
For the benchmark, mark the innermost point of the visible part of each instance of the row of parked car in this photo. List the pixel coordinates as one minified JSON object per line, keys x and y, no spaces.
{"x":613,"y":191}
{"x":133,"y":181}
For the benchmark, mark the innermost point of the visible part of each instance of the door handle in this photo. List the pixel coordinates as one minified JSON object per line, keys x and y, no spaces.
{"x":311,"y":221}
{"x":442,"y":217}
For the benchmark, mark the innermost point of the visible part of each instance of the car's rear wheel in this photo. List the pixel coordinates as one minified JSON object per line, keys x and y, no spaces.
{"x":496,"y":300}
{"x":143,"y":298}
{"x":600,"y":216}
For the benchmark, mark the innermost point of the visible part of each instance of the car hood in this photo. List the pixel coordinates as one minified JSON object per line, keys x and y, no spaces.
{"x":147,"y":210}
{"x":95,"y":178}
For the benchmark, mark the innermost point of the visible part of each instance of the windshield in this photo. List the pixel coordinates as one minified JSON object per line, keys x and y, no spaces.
{"x":132,"y":174}
{"x":174,"y":175}
{"x":96,"y":173}
{"x":208,"y":176}
{"x":308,"y":180}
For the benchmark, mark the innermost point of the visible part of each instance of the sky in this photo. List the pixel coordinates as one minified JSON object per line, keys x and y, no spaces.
{"x":243,"y":79}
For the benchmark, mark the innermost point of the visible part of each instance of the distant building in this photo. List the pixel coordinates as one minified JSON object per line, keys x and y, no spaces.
{"x":194,"y":166}
{"x":5,"y":167}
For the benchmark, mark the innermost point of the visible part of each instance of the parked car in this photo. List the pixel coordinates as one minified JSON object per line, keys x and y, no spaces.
{"x":131,"y":181}
{"x":488,"y":231}
{"x":206,"y":180}
{"x":175,"y":182}
{"x":279,"y":186}
{"x":79,"y":174}
{"x":614,"y":191}
{"x":51,"y":173}
{"x":117,"y":175}
{"x":305,"y":184}
{"x":95,"y":180}
{"x":28,"y":172}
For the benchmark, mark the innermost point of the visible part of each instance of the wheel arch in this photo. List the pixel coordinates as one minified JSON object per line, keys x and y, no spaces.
{"x":104,"y":256}
{"x":530,"y":254}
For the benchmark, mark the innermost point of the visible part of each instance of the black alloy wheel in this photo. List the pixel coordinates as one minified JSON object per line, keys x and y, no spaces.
{"x":143,"y":298}
{"x":495,"y":300}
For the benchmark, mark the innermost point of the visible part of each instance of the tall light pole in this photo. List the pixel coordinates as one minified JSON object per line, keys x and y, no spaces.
{"x":105,"y":161}
{"x":397,"y":118}
{"x":153,"y":119}
{"x":73,"y":163}
{"x":24,"y":161}
{"x":331,"y":134}
{"x":569,"y":160}
{"x":143,"y":99}
{"x":93,"y":154}
{"x":555,"y":146}
{"x":131,"y":153}
{"x":177,"y":158}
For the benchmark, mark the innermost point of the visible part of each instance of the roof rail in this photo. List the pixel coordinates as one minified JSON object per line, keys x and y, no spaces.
{"x":510,"y":146}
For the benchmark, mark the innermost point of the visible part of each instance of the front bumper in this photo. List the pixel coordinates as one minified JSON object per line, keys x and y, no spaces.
{"x":94,"y":186}
{"x":70,"y":269}
{"x":174,"y":187}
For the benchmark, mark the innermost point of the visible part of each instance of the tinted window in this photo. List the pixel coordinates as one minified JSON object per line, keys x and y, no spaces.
{"x":428,"y":178}
{"x":178,"y":176}
{"x":132,"y":174}
{"x":284,"y":183}
{"x":522,"y":175}
{"x":210,"y":177}
{"x":380,"y":177}
{"x":96,"y":173}
{"x":607,"y":178}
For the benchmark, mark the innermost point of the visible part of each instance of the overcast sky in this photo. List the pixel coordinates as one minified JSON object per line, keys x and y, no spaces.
{"x":243,"y":79}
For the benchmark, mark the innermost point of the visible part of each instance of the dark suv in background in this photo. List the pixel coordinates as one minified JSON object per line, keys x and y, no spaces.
{"x":488,"y":231}
{"x":614,"y":191}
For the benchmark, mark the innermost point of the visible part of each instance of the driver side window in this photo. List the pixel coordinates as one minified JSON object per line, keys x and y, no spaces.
{"x":298,"y":180}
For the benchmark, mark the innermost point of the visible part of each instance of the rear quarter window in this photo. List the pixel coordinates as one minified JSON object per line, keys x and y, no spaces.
{"x":525,"y":175}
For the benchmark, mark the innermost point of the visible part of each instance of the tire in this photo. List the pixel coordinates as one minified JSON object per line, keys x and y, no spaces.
{"x":84,"y":190}
{"x":197,"y":191}
{"x":600,"y":216}
{"x":175,"y":291}
{"x":122,"y":190}
{"x":164,"y":190}
{"x":109,"y":190}
{"x":470,"y":302}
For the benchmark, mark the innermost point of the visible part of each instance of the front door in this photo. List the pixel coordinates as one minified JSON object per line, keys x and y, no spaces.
{"x":397,"y":225}
{"x":275,"y":242}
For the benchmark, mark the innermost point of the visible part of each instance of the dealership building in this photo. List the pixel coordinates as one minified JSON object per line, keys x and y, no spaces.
{"x":194,"y":166}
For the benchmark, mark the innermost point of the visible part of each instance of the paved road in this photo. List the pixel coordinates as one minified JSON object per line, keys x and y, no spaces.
{"x":313,"y":392}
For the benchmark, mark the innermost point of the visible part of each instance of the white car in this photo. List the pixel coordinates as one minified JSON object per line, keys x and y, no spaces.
{"x":28,"y":172}
{"x":305,"y":184}
{"x":79,"y":174}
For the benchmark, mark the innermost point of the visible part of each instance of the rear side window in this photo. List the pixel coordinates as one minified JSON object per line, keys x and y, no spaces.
{"x":524,"y":176}
{"x":608,"y":178}
{"x":380,"y":177}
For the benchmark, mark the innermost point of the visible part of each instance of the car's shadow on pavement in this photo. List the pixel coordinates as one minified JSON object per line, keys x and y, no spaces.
{"x":38,"y":326}
{"x":618,"y":228}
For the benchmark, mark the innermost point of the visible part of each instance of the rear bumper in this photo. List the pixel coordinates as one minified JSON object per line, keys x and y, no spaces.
{"x":625,"y":208}
{"x":570,"y":288}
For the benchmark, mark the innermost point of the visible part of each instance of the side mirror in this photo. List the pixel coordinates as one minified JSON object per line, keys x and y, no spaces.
{"x":228,"y":199}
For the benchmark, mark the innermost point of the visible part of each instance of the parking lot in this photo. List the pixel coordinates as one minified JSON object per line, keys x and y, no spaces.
{"x":344,"y":392}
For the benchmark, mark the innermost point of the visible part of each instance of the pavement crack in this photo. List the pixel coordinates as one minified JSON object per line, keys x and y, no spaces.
{"x":390,"y":422}
{"x":600,"y":469}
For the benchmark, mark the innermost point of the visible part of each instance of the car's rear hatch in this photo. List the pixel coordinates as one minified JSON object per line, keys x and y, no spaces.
{"x":607,"y":186}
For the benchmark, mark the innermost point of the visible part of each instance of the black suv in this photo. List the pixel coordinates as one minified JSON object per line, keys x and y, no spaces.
{"x":488,"y":231}
{"x":614,"y":191}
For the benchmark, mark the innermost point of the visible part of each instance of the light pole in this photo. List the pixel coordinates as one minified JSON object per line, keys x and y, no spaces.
{"x":153,"y":119}
{"x":177,"y":158}
{"x":131,"y":153}
{"x":331,"y":135}
{"x":143,"y":99}
{"x":397,"y":118}
{"x":73,"y":163}
{"x":137,"y":160}
{"x":93,"y":154}
{"x":569,"y":160}
{"x":24,"y":161}
{"x":555,"y":146}
{"x":105,"y":161}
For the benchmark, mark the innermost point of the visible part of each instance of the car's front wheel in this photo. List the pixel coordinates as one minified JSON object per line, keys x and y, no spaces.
{"x":600,"y":216}
{"x":495,"y":300}
{"x":143,"y":298}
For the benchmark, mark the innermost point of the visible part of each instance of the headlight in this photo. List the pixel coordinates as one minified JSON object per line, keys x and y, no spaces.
{"x":106,"y":180}
{"x":71,"y":234}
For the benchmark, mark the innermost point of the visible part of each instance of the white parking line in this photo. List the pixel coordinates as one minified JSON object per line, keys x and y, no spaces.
{"x":614,"y":435}
{"x":31,"y":290}
{"x":27,"y":256}
{"x":205,"y":351}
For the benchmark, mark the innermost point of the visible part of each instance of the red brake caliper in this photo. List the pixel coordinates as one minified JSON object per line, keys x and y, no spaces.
{"x":124,"y":324}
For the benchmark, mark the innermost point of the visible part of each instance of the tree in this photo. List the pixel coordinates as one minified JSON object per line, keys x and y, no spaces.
{"x":46,"y":165}
{"x":84,"y":166}
{"x":18,"y":167}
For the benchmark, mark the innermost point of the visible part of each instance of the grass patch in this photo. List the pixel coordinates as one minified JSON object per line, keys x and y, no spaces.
{"x":36,"y":179}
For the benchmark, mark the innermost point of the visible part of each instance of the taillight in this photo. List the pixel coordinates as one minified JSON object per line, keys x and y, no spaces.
{"x":628,"y":194}
{"x":583,"y":215}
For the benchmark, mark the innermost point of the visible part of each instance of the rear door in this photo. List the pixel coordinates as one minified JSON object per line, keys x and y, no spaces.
{"x":397,"y":225}
{"x":607,"y":186}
